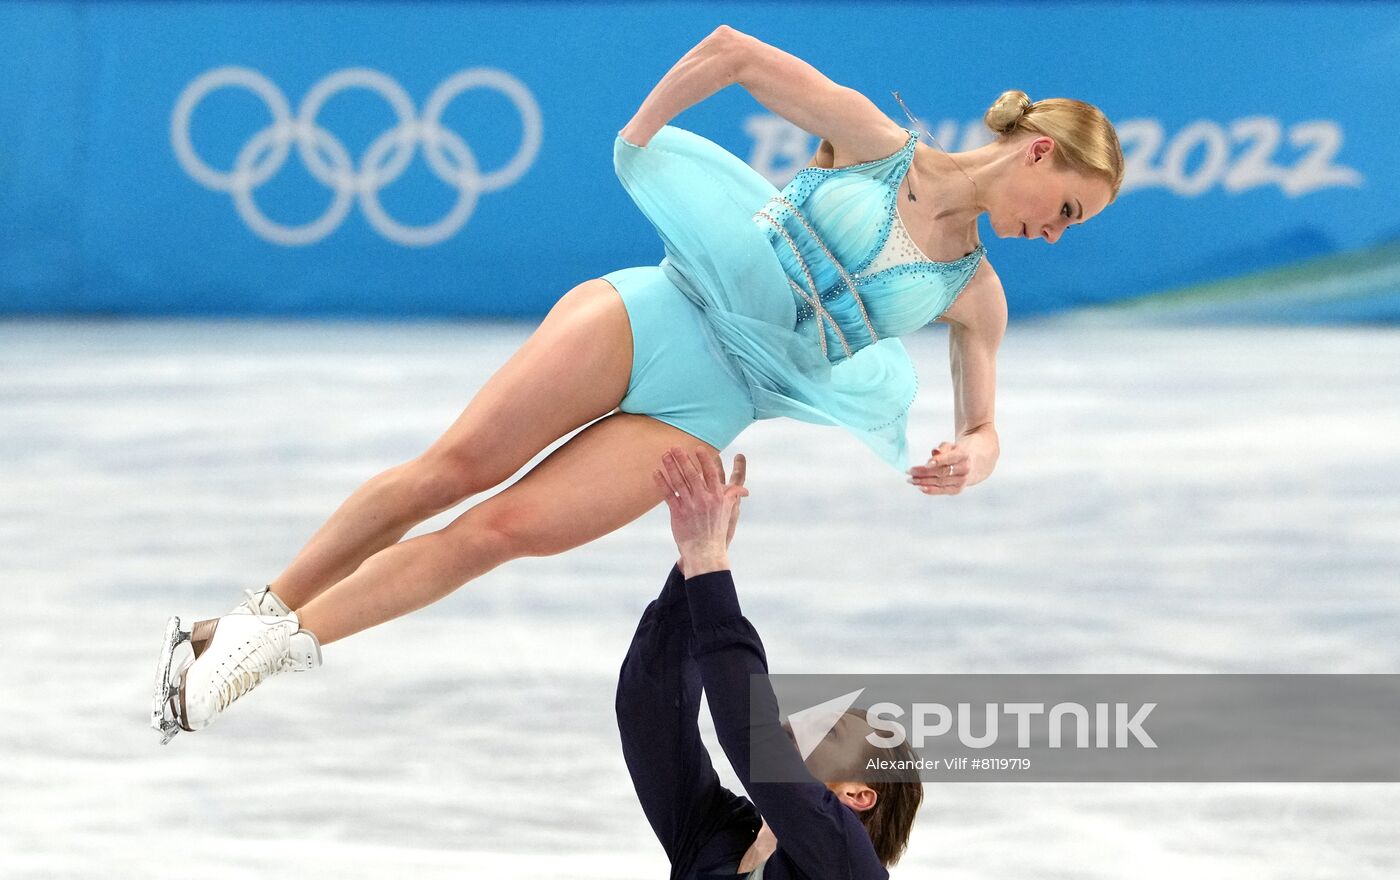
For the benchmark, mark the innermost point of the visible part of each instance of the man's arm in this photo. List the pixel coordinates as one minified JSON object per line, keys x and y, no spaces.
{"x":813,"y":827}
{"x":811,"y":824}
{"x":658,"y":701}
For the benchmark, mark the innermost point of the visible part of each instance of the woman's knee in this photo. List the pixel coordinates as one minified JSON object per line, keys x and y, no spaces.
{"x":502,"y":529}
{"x":439,"y":481}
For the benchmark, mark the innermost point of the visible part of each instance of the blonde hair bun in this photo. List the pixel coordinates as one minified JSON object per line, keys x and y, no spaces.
{"x":1006,"y":111}
{"x":1085,"y":140}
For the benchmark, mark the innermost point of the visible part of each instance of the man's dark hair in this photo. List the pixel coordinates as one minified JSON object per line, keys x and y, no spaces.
{"x":898,"y":794}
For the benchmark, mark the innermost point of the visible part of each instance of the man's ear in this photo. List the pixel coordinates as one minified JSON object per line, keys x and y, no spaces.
{"x":857,"y":796}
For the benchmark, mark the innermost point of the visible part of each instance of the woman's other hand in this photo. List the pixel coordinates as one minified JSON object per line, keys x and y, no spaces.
{"x":947,"y":471}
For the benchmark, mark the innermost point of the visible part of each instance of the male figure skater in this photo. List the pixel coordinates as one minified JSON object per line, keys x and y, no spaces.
{"x":692,"y":636}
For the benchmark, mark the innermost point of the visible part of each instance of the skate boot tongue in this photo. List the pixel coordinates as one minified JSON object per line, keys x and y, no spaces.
{"x":262,"y":602}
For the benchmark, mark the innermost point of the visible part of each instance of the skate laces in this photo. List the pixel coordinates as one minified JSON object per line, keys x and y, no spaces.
{"x":258,"y":660}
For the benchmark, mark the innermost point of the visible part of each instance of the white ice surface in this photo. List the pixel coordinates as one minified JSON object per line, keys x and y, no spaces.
{"x":1168,"y":500}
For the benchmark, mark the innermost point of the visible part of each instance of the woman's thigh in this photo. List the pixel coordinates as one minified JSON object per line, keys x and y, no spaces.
{"x":573,"y":369}
{"x":591,"y":486}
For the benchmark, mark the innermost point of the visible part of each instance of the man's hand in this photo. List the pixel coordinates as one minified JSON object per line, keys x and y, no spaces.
{"x":736,"y":478}
{"x":704,"y":508}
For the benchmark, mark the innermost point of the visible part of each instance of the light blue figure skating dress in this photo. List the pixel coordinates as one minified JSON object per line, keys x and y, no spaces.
{"x":776,"y":303}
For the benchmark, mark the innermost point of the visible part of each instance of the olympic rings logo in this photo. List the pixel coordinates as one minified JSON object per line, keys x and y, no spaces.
{"x":328,"y":161}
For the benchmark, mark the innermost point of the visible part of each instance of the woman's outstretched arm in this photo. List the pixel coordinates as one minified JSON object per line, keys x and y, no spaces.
{"x":973,"y":340}
{"x":784,"y":83}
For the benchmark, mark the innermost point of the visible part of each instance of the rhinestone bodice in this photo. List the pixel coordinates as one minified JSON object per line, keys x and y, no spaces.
{"x":853,"y":269}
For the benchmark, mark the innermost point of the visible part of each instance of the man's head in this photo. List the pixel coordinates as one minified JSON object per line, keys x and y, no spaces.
{"x":885,"y":800}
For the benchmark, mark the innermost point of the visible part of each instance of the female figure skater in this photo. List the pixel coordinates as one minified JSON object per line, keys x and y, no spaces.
{"x":835,"y":818}
{"x":767,"y":304}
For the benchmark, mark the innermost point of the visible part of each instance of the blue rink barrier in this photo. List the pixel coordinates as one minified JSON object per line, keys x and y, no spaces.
{"x":406,"y":159}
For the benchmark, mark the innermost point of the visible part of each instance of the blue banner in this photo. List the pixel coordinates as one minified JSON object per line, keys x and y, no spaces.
{"x":388,"y":159}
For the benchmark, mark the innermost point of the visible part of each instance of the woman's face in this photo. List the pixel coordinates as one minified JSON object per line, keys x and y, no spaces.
{"x":1041,"y":198}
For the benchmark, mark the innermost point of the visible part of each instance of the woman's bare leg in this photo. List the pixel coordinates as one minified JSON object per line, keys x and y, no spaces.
{"x":594,"y":484}
{"x":573,"y":369}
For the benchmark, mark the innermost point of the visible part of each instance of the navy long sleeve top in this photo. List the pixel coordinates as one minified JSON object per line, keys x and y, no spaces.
{"x":694,"y":636}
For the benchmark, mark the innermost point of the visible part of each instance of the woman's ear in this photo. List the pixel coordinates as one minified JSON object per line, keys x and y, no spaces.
{"x":857,"y":795}
{"x":1039,"y":148}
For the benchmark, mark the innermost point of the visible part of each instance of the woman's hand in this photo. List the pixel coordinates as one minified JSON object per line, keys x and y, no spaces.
{"x":704,"y":508}
{"x":953,"y":466}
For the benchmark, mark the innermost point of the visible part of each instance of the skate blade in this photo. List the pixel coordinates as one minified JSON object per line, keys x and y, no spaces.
{"x":163,"y":716}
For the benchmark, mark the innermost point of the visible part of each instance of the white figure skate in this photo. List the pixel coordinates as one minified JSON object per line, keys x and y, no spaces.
{"x":177,"y":653}
{"x":264,"y":602}
{"x":202,"y":670}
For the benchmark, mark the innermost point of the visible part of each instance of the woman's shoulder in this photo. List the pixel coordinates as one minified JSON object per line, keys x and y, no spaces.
{"x":981,"y":306}
{"x":877,"y":147}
